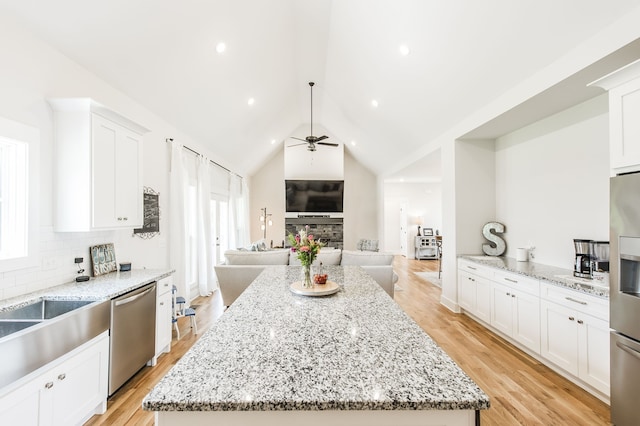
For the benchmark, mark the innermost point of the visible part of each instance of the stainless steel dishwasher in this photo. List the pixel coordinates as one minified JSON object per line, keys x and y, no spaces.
{"x":133,"y":334}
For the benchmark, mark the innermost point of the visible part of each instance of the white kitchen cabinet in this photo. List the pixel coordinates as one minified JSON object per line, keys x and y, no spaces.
{"x":501,"y":309}
{"x":98,"y":167}
{"x":575,"y":336}
{"x":117,"y":182}
{"x":66,"y":391}
{"x":163,"y":316}
{"x":474,"y":290}
{"x":515,"y":309}
{"x":475,"y":295}
{"x":466,"y":291}
{"x":624,"y":109}
{"x":561,"y":327}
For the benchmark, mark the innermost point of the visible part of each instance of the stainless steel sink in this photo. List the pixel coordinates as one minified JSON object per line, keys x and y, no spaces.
{"x":42,"y":310}
{"x":8,"y":327}
{"x":33,"y":335}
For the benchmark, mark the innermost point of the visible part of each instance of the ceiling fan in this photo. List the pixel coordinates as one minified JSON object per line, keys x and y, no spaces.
{"x":311,"y":140}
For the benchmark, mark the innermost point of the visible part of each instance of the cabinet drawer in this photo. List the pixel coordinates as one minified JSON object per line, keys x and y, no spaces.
{"x":576,"y":300}
{"x":163,"y":287}
{"x":518,"y":282}
{"x":475,"y":268}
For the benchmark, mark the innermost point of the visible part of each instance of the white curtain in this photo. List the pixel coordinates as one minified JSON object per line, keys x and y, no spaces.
{"x":238,"y":221}
{"x":206,"y":280}
{"x":178,"y":226}
{"x":244,"y":231}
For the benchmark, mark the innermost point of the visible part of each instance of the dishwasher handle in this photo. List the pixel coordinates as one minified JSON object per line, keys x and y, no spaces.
{"x":133,"y":298}
{"x":628,"y":349}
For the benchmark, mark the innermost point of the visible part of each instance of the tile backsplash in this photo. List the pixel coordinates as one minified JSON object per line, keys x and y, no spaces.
{"x":56,"y":260}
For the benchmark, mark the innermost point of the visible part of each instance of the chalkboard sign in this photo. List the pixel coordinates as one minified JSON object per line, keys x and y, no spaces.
{"x":151,"y":223}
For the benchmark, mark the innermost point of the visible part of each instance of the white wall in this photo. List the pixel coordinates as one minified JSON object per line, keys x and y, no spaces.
{"x":360,"y":203}
{"x":31,"y":72}
{"x":423,"y":201}
{"x":266,"y":188}
{"x":475,"y":193}
{"x":552,"y":182}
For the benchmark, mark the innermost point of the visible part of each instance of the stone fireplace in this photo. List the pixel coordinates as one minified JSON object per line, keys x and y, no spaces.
{"x":327,"y":229}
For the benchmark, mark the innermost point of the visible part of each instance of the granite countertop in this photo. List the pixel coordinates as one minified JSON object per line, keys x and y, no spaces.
{"x":353,"y":350}
{"x":103,"y":287}
{"x":549,"y":274}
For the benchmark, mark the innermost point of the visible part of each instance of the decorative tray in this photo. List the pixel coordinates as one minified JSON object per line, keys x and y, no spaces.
{"x":317,"y":290}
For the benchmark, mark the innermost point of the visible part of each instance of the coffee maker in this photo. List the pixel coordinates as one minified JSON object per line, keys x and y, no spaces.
{"x":584,"y":258}
{"x":600,"y":254}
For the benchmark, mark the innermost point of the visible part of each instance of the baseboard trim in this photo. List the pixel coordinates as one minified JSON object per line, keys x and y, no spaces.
{"x":450,"y":304}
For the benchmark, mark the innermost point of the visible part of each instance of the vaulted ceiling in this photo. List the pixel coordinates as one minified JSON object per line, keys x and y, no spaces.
{"x":462,"y":55}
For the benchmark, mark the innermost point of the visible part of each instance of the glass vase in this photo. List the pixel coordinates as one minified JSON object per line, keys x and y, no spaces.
{"x":306,"y":276}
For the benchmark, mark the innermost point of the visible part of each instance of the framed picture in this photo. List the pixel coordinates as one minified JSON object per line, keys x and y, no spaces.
{"x":103,"y":259}
{"x":151,"y":209}
{"x":427,"y":232}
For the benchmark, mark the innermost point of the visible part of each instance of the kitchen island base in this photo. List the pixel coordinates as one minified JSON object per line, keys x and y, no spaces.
{"x":319,"y":418}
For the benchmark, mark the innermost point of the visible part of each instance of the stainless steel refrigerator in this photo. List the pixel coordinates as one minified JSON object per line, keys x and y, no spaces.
{"x":625,"y":299}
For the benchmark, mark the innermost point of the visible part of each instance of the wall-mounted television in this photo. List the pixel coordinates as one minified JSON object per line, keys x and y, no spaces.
{"x":314,"y":196}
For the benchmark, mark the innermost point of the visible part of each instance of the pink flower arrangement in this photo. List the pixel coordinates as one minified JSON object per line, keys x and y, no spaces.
{"x":305,"y":245}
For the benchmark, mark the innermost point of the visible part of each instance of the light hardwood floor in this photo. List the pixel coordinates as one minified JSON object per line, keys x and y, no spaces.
{"x":521,"y":389}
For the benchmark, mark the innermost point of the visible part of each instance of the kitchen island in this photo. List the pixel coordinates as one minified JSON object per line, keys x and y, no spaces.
{"x":350,"y":358}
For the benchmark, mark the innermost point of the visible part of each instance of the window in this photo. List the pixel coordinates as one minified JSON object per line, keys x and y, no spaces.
{"x":219,"y":227}
{"x":192,"y":245}
{"x":18,"y":195}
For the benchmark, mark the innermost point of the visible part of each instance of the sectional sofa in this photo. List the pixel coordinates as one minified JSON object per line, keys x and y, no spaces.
{"x":241,"y":267}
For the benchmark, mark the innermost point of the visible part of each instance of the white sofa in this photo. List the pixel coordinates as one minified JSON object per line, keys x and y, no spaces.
{"x":242,"y":267}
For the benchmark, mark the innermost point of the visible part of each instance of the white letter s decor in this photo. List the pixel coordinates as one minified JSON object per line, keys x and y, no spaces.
{"x":497,"y":245}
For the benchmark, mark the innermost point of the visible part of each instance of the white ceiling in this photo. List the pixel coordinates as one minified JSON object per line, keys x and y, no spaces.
{"x":464,"y":54}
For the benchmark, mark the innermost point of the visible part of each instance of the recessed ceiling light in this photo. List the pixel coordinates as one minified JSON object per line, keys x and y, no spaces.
{"x":251,"y":101}
{"x":404,"y":49}
{"x":273,"y":141}
{"x":401,"y":180}
{"x":374,"y":103}
{"x":221,"y":47}
{"x":353,"y":143}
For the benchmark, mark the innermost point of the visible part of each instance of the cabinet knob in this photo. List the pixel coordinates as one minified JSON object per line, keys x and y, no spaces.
{"x":571,"y":318}
{"x":62,"y":376}
{"x":580,"y":322}
{"x":126,"y":218}
{"x":161,"y":303}
{"x":119,"y":218}
{"x":48,"y":385}
{"x":513,"y":295}
{"x":508,"y":294}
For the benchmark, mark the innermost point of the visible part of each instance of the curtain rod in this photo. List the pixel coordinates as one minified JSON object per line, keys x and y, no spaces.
{"x":197,"y":153}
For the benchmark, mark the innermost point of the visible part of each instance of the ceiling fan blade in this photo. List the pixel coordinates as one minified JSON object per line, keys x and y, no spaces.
{"x":303,"y":140}
{"x":327,"y":143}
{"x":297,"y":144}
{"x":321,"y":138}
